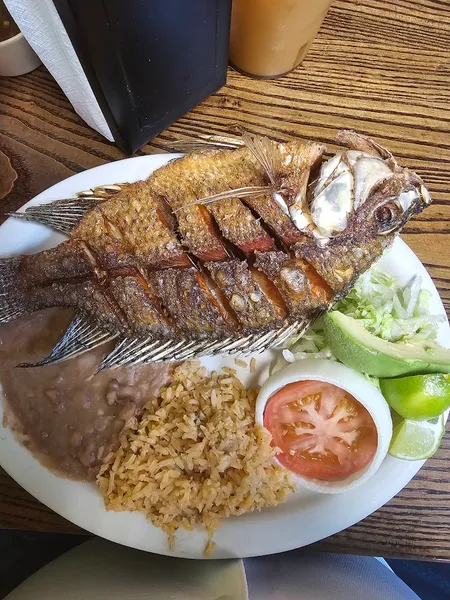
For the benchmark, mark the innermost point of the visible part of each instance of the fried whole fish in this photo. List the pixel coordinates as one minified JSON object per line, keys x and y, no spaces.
{"x":232,"y":247}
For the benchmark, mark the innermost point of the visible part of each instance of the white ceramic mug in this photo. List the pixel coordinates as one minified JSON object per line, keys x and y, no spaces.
{"x":17,"y":57}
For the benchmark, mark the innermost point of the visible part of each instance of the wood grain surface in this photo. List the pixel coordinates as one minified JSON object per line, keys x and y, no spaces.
{"x":382,"y":68}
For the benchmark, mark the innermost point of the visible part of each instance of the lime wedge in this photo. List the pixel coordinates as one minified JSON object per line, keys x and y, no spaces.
{"x":417,"y":440}
{"x":418,"y":397}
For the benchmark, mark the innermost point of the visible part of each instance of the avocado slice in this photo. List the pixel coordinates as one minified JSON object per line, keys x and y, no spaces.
{"x":353,"y":345}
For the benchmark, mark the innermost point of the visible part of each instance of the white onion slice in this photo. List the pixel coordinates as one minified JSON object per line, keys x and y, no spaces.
{"x":355,"y":384}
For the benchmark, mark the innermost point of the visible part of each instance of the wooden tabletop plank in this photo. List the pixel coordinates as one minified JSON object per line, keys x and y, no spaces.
{"x":380,"y":68}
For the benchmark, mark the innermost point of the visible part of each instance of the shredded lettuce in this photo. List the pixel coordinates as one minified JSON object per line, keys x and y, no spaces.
{"x":388,"y":310}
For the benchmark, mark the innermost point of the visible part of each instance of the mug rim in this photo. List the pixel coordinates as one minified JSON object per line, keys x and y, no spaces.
{"x":11,"y":40}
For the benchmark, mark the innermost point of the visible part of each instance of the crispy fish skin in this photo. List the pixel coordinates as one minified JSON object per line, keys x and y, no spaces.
{"x":145,"y":229}
{"x":342,"y":260}
{"x":247,"y":297}
{"x":69,"y":260}
{"x":209,"y":173}
{"x":192,"y":305}
{"x":291,"y":279}
{"x":141,"y":307}
{"x":87,"y":297}
{"x":186,"y":180}
{"x":132,"y":229}
{"x":200,"y":234}
{"x":239,"y":226}
{"x":279,"y":222}
{"x":191,"y":178}
{"x":107,"y":241}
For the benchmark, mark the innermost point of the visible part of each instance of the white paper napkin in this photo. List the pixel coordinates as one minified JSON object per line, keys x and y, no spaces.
{"x":42,"y":27}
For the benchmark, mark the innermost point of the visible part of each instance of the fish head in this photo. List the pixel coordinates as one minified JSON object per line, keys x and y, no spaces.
{"x":392,"y":202}
{"x":359,"y":191}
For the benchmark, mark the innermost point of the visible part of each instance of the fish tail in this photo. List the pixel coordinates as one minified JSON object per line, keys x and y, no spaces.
{"x":13,"y":300}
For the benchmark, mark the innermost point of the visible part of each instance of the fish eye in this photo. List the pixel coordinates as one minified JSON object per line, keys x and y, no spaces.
{"x":386,"y":216}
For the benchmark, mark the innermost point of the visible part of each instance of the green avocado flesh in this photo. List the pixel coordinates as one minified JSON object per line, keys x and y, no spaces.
{"x":353,"y":345}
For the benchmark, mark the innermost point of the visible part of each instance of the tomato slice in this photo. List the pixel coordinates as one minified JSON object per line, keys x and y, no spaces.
{"x":322,"y":431}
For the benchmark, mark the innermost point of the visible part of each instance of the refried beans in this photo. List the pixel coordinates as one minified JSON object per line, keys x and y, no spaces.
{"x":68,"y":419}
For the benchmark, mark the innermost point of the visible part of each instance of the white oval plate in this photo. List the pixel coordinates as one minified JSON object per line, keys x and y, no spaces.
{"x":304,"y":518}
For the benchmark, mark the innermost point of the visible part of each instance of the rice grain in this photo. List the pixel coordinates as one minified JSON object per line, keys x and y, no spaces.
{"x":240,"y":363}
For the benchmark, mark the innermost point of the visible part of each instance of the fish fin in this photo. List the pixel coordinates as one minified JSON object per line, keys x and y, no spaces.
{"x":243,"y":192}
{"x":64,"y":215}
{"x":133,"y":351}
{"x":263,"y":149}
{"x":265,"y":152}
{"x":13,"y":302}
{"x":357,"y":141}
{"x":81,"y":335}
{"x":257,"y":342}
{"x":103,"y":191}
{"x":207,"y":142}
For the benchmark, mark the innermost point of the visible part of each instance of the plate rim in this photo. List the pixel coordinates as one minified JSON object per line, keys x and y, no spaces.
{"x":76,"y":183}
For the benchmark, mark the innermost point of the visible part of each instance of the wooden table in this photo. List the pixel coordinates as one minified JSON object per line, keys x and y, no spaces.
{"x":382,"y":68}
